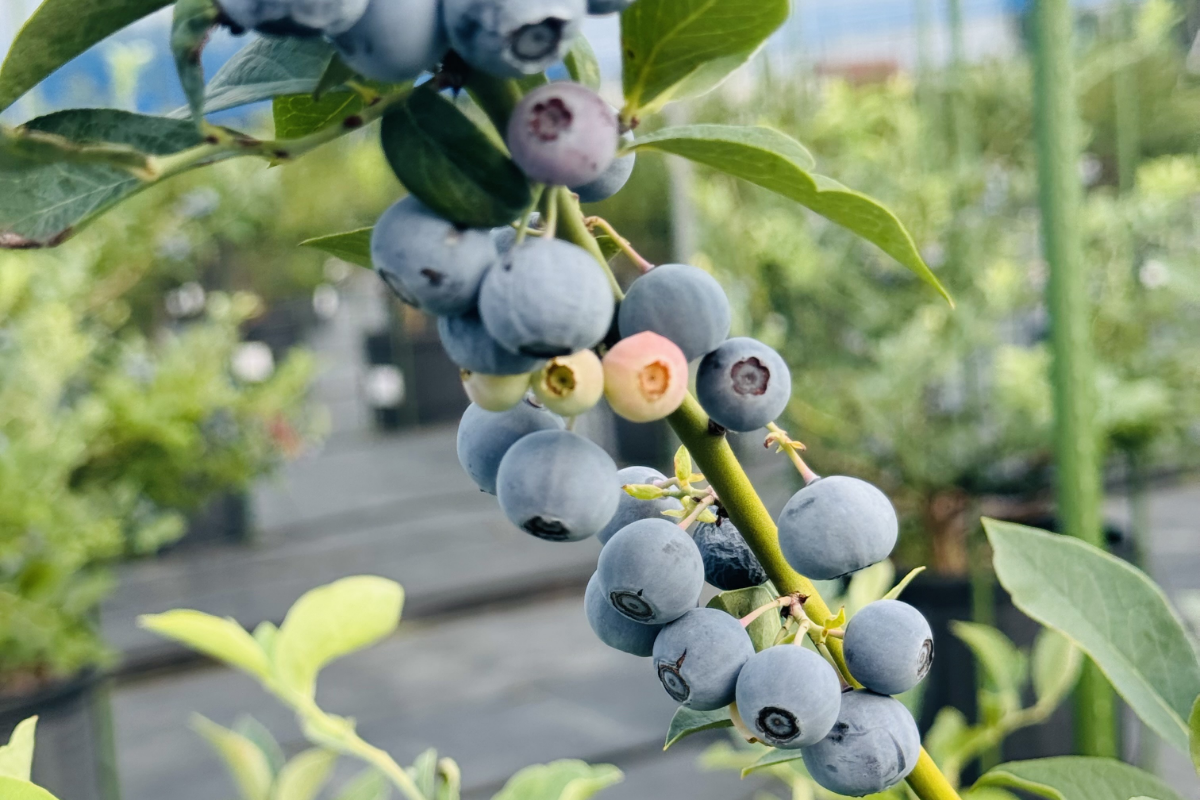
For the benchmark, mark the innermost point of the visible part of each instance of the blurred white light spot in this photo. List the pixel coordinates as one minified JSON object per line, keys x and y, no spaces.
{"x":326,"y":301}
{"x":252,"y":362}
{"x":1154,"y":274}
{"x":337,"y":270}
{"x":186,"y":301}
{"x":384,"y":386}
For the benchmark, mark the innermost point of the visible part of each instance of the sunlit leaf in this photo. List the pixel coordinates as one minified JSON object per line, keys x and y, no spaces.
{"x":559,"y":780}
{"x":222,"y":639}
{"x":1078,"y":778}
{"x":16,"y":757}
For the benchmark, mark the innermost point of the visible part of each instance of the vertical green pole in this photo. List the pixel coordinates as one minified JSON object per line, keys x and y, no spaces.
{"x":1077,"y":454}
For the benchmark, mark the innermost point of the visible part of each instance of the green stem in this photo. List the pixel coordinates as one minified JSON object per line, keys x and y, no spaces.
{"x":572,"y":228}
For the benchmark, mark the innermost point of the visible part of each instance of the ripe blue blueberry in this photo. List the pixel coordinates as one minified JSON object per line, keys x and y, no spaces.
{"x":511,"y":38}
{"x":546,"y":298}
{"x":563,"y":134}
{"x":835,"y":526}
{"x":549,"y":484}
{"x":683,"y":303}
{"x":616,"y":631}
{"x":597,"y":7}
{"x":613,"y":179}
{"x":788,"y":696}
{"x":630,"y":508}
{"x":469,"y":345}
{"x":729,"y":563}
{"x":873,"y":746}
{"x":428,"y":261}
{"x":294,"y":17}
{"x":698,"y":658}
{"x":651,"y":571}
{"x":395,"y":41}
{"x":485,"y":436}
{"x":743,"y":384}
{"x":889,"y":647}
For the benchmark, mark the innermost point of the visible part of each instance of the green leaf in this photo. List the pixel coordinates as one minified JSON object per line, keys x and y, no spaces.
{"x":190,"y":27}
{"x":1057,"y":663}
{"x":779,"y":163}
{"x":57,"y":32}
{"x":222,"y":639}
{"x":333,"y":621}
{"x":451,"y":165}
{"x":1112,"y":611}
{"x":335,"y":75}
{"x":424,"y":772}
{"x":741,"y":602}
{"x":582,"y":64}
{"x":450,"y":783}
{"x":868,"y":585}
{"x":567,"y":779}
{"x":304,"y":776}
{"x":1194,"y":735}
{"x":666,"y":42}
{"x":1078,"y":778}
{"x":899,"y":588}
{"x":686,"y":722}
{"x":16,"y":757}
{"x":643,"y":491}
{"x":1004,"y":665}
{"x":246,"y":763}
{"x":265,"y":633}
{"x":352,"y":246}
{"x":268,"y":67}
{"x":256,"y":732}
{"x":608,"y":246}
{"x":368,"y":785}
{"x":42,"y":205}
{"x":298,"y":115}
{"x":989,"y":793}
{"x":947,"y":734}
{"x":683,"y":465}
{"x":773,"y":758}
{"x":14,"y":789}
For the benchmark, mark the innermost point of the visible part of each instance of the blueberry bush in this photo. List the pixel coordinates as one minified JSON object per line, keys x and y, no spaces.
{"x":491,"y":238}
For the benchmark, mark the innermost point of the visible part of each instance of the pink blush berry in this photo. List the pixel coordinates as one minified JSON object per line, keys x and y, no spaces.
{"x":645,"y":377}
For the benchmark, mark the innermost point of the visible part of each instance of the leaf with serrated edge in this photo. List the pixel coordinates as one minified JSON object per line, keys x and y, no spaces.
{"x":303,"y":777}
{"x":688,"y":721}
{"x":899,"y":588}
{"x":664,"y":42}
{"x":57,"y":32}
{"x":1078,"y":778}
{"x":1112,"y":611}
{"x":776,"y":162}
{"x":740,"y":602}
{"x":567,"y":779}
{"x":1056,"y":664}
{"x":351,"y":246}
{"x":13,"y":789}
{"x":16,"y":757}
{"x":246,"y":763}
{"x":43,"y":205}
{"x":222,"y":639}
{"x":333,"y":621}
{"x":581,"y":63}
{"x":1194,"y":735}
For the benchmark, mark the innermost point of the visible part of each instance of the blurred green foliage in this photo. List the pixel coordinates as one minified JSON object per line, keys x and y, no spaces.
{"x":942,"y":406}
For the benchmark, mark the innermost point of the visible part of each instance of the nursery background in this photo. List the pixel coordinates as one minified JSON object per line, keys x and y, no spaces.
{"x":250,"y":419}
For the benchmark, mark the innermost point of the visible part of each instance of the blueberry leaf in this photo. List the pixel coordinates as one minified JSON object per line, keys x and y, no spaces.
{"x":247,"y":764}
{"x":772,"y":758}
{"x":222,"y":639}
{"x":581,"y":63}
{"x":268,"y":67}
{"x":770,"y":159}
{"x":16,"y":757}
{"x":1194,"y":735}
{"x":57,"y":32}
{"x":1004,"y":666}
{"x":1056,"y":664}
{"x":43,"y":204}
{"x":898,"y":589}
{"x":688,"y":721}
{"x":189,"y":32}
{"x":14,"y":789}
{"x":567,"y":779}
{"x":450,"y":164}
{"x":305,"y":775}
{"x":299,"y":114}
{"x":1113,"y":611}
{"x":666,"y":42}
{"x":351,"y":246}
{"x":740,"y":602}
{"x":1078,"y":778}
{"x":368,"y":785}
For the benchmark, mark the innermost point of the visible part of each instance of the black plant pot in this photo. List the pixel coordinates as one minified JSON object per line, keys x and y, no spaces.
{"x":223,"y":520}
{"x":74,"y":757}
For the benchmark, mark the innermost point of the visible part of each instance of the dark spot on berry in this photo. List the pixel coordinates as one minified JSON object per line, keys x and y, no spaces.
{"x":537,"y":40}
{"x":550,"y":118}
{"x":632,"y":605}
{"x":778,"y":724}
{"x":838,"y":734}
{"x":925,"y":659}
{"x":288,"y":27}
{"x":434,"y":277}
{"x":549,"y":529}
{"x":351,"y":122}
{"x":750,"y":376}
{"x":674,"y":682}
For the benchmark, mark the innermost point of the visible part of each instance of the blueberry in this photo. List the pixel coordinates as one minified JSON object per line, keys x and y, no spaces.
{"x":698,"y":658}
{"x":613,"y":179}
{"x":469,"y":345}
{"x":485,"y":436}
{"x":294,"y":17}
{"x":835,"y":526}
{"x":681,"y":302}
{"x":597,"y":7}
{"x":429,"y":261}
{"x":505,"y":236}
{"x":788,"y":696}
{"x":873,"y":746}
{"x":616,"y":631}
{"x":495,"y":392}
{"x":645,"y":377}
{"x":743,"y":384}
{"x":511,"y":38}
{"x":570,"y":385}
{"x":889,"y":647}
{"x":630,"y":508}
{"x":550,"y":485}
{"x":563,"y":134}
{"x":729,"y":563}
{"x":395,"y":41}
{"x":651,"y":571}
{"x":547,"y":298}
